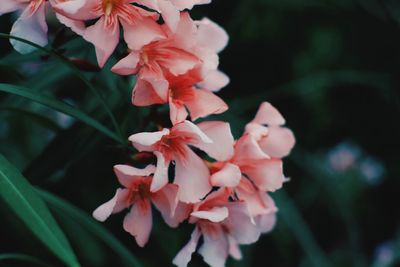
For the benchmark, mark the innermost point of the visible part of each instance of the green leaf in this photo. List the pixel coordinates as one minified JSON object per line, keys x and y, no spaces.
{"x":59,"y":106}
{"x":24,"y":201}
{"x":75,"y":71}
{"x":64,"y":208}
{"x":22,"y":257}
{"x":39,"y":119}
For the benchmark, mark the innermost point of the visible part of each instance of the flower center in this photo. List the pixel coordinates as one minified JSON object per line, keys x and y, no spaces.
{"x":109,"y":5}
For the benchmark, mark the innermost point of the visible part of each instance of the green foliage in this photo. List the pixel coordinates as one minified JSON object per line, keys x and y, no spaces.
{"x":25,"y":202}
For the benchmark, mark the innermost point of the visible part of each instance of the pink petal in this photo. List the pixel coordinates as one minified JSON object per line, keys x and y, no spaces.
{"x":166,"y":202}
{"x":191,"y":176}
{"x":8,"y":6}
{"x":211,"y":35}
{"x":144,"y":94}
{"x":76,"y":9}
{"x":278,"y":143}
{"x":268,"y":114}
{"x":219,"y":132}
{"x":239,"y":224}
{"x":177,"y":112}
{"x":205,"y":103}
{"x":214,"y":80}
{"x":258,"y":202}
{"x":234,"y":249}
{"x":228,"y":176}
{"x":169,"y":13}
{"x":160,"y":178}
{"x":188,"y":4}
{"x":104,"y":37}
{"x":215,"y":214}
{"x":192,"y":129}
{"x":141,"y":32}
{"x":266,"y":174}
{"x":76,"y":26}
{"x":147,"y":138}
{"x":179,"y":61}
{"x":116,"y":204}
{"x":31,"y":27}
{"x":138,"y":222}
{"x":215,"y":248}
{"x":185,"y":254}
{"x":128,"y":65}
{"x":127,"y":174}
{"x":266,"y":222}
{"x":258,"y":131}
{"x":247,"y":148}
{"x":152,"y":4}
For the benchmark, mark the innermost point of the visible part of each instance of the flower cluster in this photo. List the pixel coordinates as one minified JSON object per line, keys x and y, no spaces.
{"x":201,"y":174}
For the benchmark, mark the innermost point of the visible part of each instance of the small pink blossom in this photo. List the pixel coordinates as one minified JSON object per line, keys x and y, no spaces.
{"x":224,"y":225}
{"x":183,"y":97}
{"x":136,"y":196}
{"x":267,"y":127}
{"x":140,"y":26}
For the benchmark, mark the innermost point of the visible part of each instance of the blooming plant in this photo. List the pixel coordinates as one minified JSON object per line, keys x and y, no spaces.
{"x":200,"y":173}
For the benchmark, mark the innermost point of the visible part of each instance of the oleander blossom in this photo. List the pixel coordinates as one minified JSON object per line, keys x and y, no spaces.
{"x":191,"y":172}
{"x":136,"y":196}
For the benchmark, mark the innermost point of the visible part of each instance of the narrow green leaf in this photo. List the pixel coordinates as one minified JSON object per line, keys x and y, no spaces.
{"x":59,"y":106}
{"x":64,"y":208}
{"x":22,"y":257}
{"x":24,"y":201}
{"x":76,"y":71}
{"x":42,"y":120}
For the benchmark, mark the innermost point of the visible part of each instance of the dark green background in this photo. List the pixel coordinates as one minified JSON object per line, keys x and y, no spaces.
{"x":330,"y":66}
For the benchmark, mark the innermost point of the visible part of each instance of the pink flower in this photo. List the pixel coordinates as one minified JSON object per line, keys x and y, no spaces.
{"x":140,"y":26}
{"x":275,"y":140}
{"x":184,"y":97}
{"x":250,"y":173}
{"x":169,"y":9}
{"x":191,"y":172}
{"x":151,"y":61}
{"x":137,"y":196}
{"x":224,"y":225}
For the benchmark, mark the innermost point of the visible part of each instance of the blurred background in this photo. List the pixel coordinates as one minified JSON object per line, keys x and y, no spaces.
{"x":330,"y":66}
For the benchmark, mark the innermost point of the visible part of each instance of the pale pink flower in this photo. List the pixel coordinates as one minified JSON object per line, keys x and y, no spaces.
{"x":267,"y":127}
{"x":140,"y":26}
{"x":151,"y":61}
{"x":191,"y":172}
{"x":250,"y":173}
{"x":136,"y":196}
{"x":224,"y":225}
{"x":184,"y":98}
{"x":210,"y":40}
{"x":169,"y":9}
